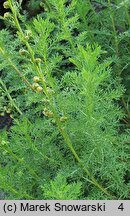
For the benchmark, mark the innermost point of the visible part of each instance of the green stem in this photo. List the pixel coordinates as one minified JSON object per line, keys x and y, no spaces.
{"x":10,"y":98}
{"x":24,"y":195}
{"x":114,"y":28}
{"x":23,"y":162}
{"x":15,"y":68}
{"x":127,"y":12}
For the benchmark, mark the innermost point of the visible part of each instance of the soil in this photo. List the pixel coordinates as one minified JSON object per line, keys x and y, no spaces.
{"x":5,"y":122}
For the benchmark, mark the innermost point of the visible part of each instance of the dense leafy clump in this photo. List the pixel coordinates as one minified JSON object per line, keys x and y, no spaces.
{"x":63,"y":85}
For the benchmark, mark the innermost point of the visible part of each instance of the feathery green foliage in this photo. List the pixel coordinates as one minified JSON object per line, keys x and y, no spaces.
{"x":62,"y":75}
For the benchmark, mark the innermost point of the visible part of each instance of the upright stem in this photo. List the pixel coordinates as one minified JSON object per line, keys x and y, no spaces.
{"x":15,"y":68}
{"x":127,"y":12}
{"x":23,"y":162}
{"x":10,"y":98}
{"x":114,"y":28}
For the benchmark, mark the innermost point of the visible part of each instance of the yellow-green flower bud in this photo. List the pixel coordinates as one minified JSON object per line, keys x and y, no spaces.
{"x":38,"y":60}
{"x":8,"y":111}
{"x":35,"y":85}
{"x":36,"y":79}
{"x":63,"y":118}
{"x":28,"y":33}
{"x":6,"y":5}
{"x":7,"y":15}
{"x":22,"y":52}
{"x":39,"y":89}
{"x":27,"y":37}
{"x":45,"y":111}
{"x":50,"y":114}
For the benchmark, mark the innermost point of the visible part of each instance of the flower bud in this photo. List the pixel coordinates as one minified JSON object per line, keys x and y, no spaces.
{"x":6,"y":5}
{"x":50,"y":114}
{"x":28,"y":33}
{"x":8,"y":111}
{"x":35,"y":85}
{"x":36,"y":79}
{"x":22,"y":52}
{"x":7,"y":15}
{"x":45,"y":111}
{"x":41,"y":4}
{"x":39,"y":89}
{"x":38,"y":60}
{"x":27,"y":37}
{"x":63,"y":118}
